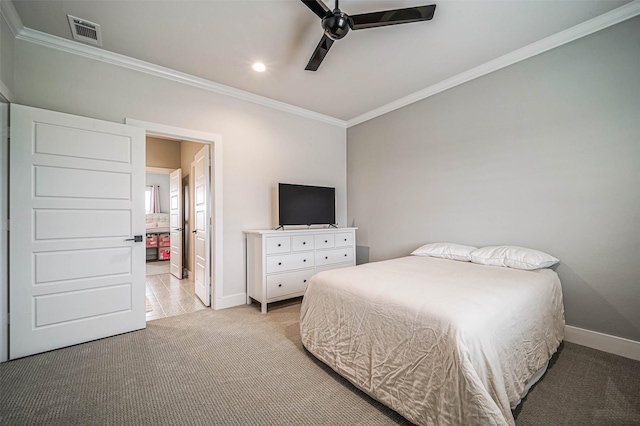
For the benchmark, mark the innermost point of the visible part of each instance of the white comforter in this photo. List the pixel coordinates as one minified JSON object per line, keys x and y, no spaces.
{"x":442,"y":342}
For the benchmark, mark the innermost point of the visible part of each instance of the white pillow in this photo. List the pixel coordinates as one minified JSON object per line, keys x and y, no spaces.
{"x":445,"y":251}
{"x":513,"y":257}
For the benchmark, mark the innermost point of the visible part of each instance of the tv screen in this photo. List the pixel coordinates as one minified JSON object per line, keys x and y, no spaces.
{"x":306,"y":205}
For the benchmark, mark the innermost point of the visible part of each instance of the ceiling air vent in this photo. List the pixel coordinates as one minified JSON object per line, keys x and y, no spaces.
{"x":85,"y":31}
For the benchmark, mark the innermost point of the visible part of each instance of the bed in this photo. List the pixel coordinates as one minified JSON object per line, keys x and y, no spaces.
{"x":442,"y":342}
{"x":156,"y":222}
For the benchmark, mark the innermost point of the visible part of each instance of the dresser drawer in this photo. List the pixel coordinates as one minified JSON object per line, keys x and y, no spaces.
{"x":280,"y":263}
{"x":328,"y":257}
{"x":289,"y":262}
{"x":302,"y":243}
{"x":344,"y":239}
{"x":325,"y":241}
{"x":287,"y":283}
{"x":278,"y":245}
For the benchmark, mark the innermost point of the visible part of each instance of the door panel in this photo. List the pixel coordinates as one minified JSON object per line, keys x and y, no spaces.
{"x":69,"y":223}
{"x":202,"y":229}
{"x":53,"y":266}
{"x":75,"y":183}
{"x":76,"y":191}
{"x":175,"y":221}
{"x":57,"y":309}
{"x":74,"y":142}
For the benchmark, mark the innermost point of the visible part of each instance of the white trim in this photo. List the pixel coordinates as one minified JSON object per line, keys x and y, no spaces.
{"x":91,"y":52}
{"x":233,"y":300}
{"x":216,"y":207}
{"x":159,"y":170}
{"x":156,"y":129}
{"x":591,"y":26}
{"x":7,"y":9}
{"x":603,"y":342}
{"x":4,"y":231}
{"x":4,"y":91}
{"x":11,"y":17}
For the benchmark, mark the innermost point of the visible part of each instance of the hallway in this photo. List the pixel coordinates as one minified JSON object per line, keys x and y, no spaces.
{"x":168,"y":296}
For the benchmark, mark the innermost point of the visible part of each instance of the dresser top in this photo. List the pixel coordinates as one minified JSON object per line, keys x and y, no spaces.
{"x":297,"y":231}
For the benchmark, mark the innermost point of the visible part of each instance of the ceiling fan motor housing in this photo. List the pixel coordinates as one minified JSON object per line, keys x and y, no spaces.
{"x":336,"y":24}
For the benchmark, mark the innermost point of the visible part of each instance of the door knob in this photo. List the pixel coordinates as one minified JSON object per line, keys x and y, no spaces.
{"x":135,"y":239}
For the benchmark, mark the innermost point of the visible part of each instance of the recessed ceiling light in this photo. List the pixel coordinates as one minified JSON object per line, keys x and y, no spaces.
{"x":259,"y":67}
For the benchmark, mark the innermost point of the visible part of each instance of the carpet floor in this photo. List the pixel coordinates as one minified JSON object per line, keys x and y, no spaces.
{"x":239,"y":367}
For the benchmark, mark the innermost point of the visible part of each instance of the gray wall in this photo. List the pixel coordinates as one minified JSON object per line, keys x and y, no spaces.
{"x":6,"y":55}
{"x":542,"y":154}
{"x":261,"y":146}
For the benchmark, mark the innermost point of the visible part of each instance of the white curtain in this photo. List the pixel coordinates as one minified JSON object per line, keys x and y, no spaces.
{"x":155,"y":199}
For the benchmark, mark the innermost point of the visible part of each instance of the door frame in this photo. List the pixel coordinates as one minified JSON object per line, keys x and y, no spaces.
{"x":4,"y":225}
{"x":215,"y":140}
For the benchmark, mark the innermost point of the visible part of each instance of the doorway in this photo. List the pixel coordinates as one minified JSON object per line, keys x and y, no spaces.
{"x":214,"y":274}
{"x":98,"y":180}
{"x":4,"y":232}
{"x":171,"y":287}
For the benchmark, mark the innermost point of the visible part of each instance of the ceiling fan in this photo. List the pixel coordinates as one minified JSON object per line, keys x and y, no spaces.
{"x":337,"y":24}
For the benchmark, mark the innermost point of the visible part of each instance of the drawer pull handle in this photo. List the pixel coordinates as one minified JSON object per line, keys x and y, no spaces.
{"x":279,"y":263}
{"x":326,"y":241}
{"x":326,"y":257}
{"x":304,"y":281}
{"x":304,"y":242}
{"x":345,"y":255}
{"x":345,"y":239}
{"x":279,"y":245}
{"x":279,"y":285}
{"x":304,"y":260}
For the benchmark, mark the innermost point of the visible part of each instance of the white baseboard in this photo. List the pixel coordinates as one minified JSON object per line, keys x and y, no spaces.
{"x":603,"y":342}
{"x":230,"y":301}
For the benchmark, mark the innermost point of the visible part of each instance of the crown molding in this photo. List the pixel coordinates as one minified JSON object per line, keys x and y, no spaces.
{"x":628,"y":11}
{"x":91,"y":52}
{"x":11,"y":17}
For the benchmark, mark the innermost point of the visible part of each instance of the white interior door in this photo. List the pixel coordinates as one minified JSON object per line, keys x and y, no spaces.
{"x":76,"y":203}
{"x":175,"y":221}
{"x":202,"y":226}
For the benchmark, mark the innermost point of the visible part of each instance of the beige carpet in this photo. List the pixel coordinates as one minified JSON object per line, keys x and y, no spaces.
{"x":239,"y":367}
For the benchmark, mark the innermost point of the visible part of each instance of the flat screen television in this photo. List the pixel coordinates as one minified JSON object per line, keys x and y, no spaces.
{"x":306,"y":205}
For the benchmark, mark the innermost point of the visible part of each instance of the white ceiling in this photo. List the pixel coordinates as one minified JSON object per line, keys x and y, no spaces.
{"x":219,"y":40}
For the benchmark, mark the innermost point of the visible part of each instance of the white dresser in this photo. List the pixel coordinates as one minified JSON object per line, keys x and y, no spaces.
{"x":279,"y":263}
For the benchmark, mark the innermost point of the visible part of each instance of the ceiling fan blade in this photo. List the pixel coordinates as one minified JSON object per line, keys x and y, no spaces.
{"x":318,"y":7}
{"x":319,"y":54}
{"x":393,"y":17}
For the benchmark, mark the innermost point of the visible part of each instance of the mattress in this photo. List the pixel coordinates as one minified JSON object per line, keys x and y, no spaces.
{"x":442,"y":342}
